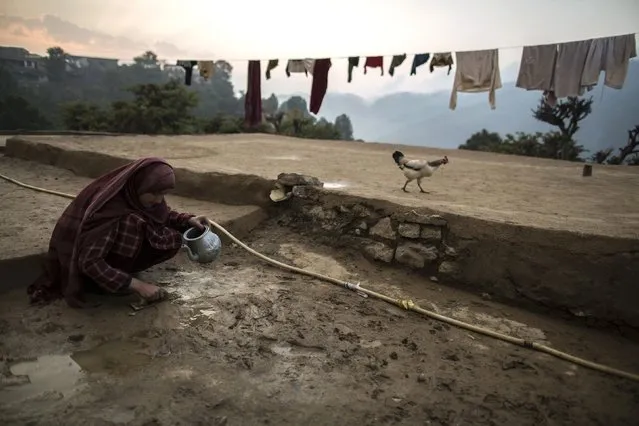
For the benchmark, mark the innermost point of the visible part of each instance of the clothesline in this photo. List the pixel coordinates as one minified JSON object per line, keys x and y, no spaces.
{"x":558,"y":70}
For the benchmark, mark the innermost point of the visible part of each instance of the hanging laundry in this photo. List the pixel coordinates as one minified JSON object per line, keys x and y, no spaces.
{"x":188,"y":68}
{"x":569,"y":67}
{"x":353,"y":62}
{"x":537,"y":67}
{"x":418,"y":61}
{"x":272,"y":64}
{"x":374,"y":62}
{"x":442,"y":60}
{"x":207,"y":68}
{"x":476,"y":71}
{"x":253,"y":97}
{"x":611,"y":55}
{"x":320,"y":83}
{"x":299,"y":66}
{"x":395,"y":62}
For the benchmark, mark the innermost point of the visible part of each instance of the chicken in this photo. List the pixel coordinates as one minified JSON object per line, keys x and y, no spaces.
{"x":417,"y":169}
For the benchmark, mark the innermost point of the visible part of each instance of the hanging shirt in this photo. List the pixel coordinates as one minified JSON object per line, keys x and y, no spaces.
{"x":207,"y":68}
{"x":253,"y":97}
{"x":477,"y":71}
{"x":299,"y":66}
{"x":272,"y":64}
{"x":611,"y":55}
{"x":537,"y":67}
{"x":374,"y":62}
{"x":395,"y":62}
{"x":320,"y":84}
{"x":188,"y":68}
{"x":418,"y":61}
{"x":441,"y":60}
{"x":353,"y":62}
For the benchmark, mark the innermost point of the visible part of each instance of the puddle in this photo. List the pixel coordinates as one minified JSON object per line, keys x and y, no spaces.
{"x":50,"y":379}
{"x":114,"y":357}
{"x":335,"y":185}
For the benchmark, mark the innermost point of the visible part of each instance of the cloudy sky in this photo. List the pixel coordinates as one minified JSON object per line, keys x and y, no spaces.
{"x":249,"y":29}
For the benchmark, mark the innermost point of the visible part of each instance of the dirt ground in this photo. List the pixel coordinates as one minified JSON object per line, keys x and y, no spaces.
{"x":528,"y":191}
{"x":243,"y":343}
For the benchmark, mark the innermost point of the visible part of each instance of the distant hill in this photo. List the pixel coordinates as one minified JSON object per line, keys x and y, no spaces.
{"x":425,"y":119}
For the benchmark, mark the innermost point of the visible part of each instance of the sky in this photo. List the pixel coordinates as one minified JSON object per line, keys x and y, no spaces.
{"x":287,"y":29}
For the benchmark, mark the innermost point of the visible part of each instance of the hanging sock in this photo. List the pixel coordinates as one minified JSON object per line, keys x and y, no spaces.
{"x":207,"y":68}
{"x":253,"y":97}
{"x":476,"y":72}
{"x":188,"y":68}
{"x":272,"y":64}
{"x":353,"y":62}
{"x":374,"y":62}
{"x":395,"y":62}
{"x":320,"y":83}
{"x":300,"y":66}
{"x":418,"y":61}
{"x":442,"y":60}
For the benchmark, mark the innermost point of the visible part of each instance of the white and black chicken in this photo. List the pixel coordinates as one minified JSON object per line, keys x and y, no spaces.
{"x":417,"y":169}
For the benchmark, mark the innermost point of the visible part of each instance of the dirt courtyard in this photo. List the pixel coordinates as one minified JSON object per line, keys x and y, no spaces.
{"x":527,"y":191}
{"x":243,"y":343}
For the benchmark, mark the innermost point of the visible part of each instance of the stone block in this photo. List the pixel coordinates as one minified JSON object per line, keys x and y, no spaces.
{"x":424,"y":219}
{"x":379,"y":251}
{"x":409,"y":230}
{"x":431,"y":233}
{"x":384,"y":229}
{"x":416,"y":255}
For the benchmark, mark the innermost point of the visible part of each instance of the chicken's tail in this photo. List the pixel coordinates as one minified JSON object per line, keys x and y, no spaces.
{"x":398,"y":156}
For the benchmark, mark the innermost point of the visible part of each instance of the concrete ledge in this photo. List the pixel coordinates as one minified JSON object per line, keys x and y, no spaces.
{"x":590,"y":276}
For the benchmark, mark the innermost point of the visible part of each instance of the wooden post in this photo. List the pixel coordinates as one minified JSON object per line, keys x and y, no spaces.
{"x":587,"y":170}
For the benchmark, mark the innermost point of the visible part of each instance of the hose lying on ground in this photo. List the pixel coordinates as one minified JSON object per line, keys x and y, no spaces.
{"x":403,"y":303}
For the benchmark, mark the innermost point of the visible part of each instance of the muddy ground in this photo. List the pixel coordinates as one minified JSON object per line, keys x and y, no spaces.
{"x":243,"y":343}
{"x":541,"y":193}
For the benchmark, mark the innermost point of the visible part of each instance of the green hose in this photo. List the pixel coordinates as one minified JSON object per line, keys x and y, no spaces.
{"x":402,"y":303}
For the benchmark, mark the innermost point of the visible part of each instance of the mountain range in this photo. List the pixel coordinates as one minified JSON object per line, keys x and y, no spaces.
{"x":424,"y":119}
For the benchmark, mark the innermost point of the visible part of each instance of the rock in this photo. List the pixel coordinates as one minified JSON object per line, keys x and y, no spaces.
{"x":424,"y":219}
{"x":416,"y":255}
{"x":451,"y":252}
{"x":384,"y":229}
{"x":363,"y":226}
{"x":431,"y":233}
{"x":306,"y":192}
{"x":408,"y":230}
{"x":379,"y":251}
{"x":294,"y":179}
{"x":318,"y":213}
{"x":450,"y":269}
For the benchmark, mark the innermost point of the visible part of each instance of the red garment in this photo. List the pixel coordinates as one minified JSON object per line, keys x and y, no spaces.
{"x":92,"y":215}
{"x":374,"y":62}
{"x":253,"y":97}
{"x":320,"y":83}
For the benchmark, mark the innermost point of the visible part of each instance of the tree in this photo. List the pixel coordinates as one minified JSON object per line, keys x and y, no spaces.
{"x":56,"y":63}
{"x":566,"y":116}
{"x":344,"y":127}
{"x":147,"y":60}
{"x":483,"y":141}
{"x":628,"y":154}
{"x":16,"y":113}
